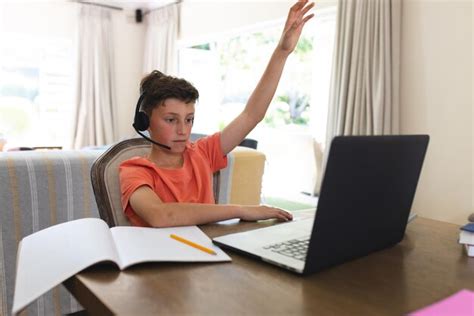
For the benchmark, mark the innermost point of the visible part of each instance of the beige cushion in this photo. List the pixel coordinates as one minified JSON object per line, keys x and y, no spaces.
{"x":246,"y":180}
{"x":318,"y":158}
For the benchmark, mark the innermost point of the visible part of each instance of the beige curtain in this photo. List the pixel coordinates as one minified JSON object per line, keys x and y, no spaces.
{"x":95,"y":115}
{"x":160,"y":40}
{"x":364,"y":93}
{"x":364,"y":96}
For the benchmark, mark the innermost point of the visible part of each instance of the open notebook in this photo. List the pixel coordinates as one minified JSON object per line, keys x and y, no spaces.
{"x":50,"y":256}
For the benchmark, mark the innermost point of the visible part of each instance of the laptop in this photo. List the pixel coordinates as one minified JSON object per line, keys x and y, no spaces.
{"x":364,"y":205}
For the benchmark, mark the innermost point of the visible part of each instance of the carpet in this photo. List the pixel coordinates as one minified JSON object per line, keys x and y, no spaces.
{"x":285,"y":204}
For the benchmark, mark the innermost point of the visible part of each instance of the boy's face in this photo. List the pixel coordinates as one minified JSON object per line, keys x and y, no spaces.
{"x":171,"y":123}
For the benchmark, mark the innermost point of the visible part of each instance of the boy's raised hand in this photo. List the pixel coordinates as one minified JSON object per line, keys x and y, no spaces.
{"x":294,"y":25}
{"x":261,"y":97}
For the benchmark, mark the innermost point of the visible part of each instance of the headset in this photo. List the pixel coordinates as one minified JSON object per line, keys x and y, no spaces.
{"x":141,"y":122}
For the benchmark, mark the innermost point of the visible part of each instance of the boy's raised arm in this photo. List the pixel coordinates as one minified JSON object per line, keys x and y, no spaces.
{"x":261,"y":97}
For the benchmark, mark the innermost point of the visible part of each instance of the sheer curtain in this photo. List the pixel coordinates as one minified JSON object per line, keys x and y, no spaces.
{"x":160,"y":40}
{"x":364,"y":96}
{"x":95,"y":117}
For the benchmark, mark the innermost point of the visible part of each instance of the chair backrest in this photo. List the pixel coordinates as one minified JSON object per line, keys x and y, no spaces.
{"x":105,"y":178}
{"x":249,"y":142}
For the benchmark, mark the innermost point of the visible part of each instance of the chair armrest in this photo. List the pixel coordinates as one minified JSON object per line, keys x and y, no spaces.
{"x":241,"y":181}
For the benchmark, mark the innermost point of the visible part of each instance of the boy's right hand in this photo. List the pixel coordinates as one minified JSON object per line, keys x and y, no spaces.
{"x":259,"y":212}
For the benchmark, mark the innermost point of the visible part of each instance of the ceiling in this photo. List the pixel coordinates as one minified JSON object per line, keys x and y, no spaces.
{"x":132,"y":4}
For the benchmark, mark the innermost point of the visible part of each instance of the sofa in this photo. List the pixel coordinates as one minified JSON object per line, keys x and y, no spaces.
{"x":39,"y":189}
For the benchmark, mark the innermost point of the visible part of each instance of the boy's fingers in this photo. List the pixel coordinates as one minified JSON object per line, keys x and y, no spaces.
{"x":298,"y":4}
{"x":309,"y":7}
{"x":307,"y":18}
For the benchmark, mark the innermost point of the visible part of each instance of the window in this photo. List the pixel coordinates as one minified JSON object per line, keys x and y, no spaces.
{"x":227,"y":69}
{"x":36,"y":90}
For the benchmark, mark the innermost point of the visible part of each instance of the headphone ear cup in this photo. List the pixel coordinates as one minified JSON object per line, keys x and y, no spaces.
{"x":141,"y":121}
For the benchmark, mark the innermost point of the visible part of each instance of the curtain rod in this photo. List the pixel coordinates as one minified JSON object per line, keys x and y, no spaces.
{"x":99,"y":5}
{"x":163,"y":6}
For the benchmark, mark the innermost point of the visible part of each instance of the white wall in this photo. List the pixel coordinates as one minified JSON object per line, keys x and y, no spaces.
{"x":204,"y":19}
{"x":39,"y":18}
{"x":437,"y":99}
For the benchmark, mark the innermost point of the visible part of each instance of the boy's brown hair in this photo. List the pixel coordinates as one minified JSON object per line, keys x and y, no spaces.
{"x":158,"y":87}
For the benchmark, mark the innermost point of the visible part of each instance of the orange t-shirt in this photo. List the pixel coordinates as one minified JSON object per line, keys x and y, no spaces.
{"x":192,"y":183}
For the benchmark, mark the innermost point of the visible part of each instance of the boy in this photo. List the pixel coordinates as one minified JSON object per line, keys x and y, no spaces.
{"x":172,"y":186}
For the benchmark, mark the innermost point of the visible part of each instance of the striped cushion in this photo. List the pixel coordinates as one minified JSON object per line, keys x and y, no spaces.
{"x":37,"y":190}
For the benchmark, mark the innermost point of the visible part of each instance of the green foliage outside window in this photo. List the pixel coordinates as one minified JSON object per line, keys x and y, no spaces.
{"x":243,"y":58}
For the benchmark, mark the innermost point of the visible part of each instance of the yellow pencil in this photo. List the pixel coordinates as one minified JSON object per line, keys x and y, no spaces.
{"x":193,"y":244}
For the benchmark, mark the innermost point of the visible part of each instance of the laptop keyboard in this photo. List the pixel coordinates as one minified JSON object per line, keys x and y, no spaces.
{"x":294,"y":248}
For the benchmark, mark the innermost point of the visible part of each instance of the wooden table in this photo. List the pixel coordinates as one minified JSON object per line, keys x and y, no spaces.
{"x":428,"y":265}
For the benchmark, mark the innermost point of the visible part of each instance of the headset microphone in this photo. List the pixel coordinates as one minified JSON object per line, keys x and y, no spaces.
{"x":141,"y":121}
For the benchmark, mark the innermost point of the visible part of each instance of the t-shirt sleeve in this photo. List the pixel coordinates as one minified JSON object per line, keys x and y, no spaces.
{"x":210,"y":147}
{"x":133,"y":175}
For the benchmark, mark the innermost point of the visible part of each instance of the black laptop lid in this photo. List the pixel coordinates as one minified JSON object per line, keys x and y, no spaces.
{"x":365,"y":198}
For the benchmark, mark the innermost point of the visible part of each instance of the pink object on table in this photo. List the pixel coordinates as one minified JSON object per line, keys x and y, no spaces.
{"x":458,"y":304}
